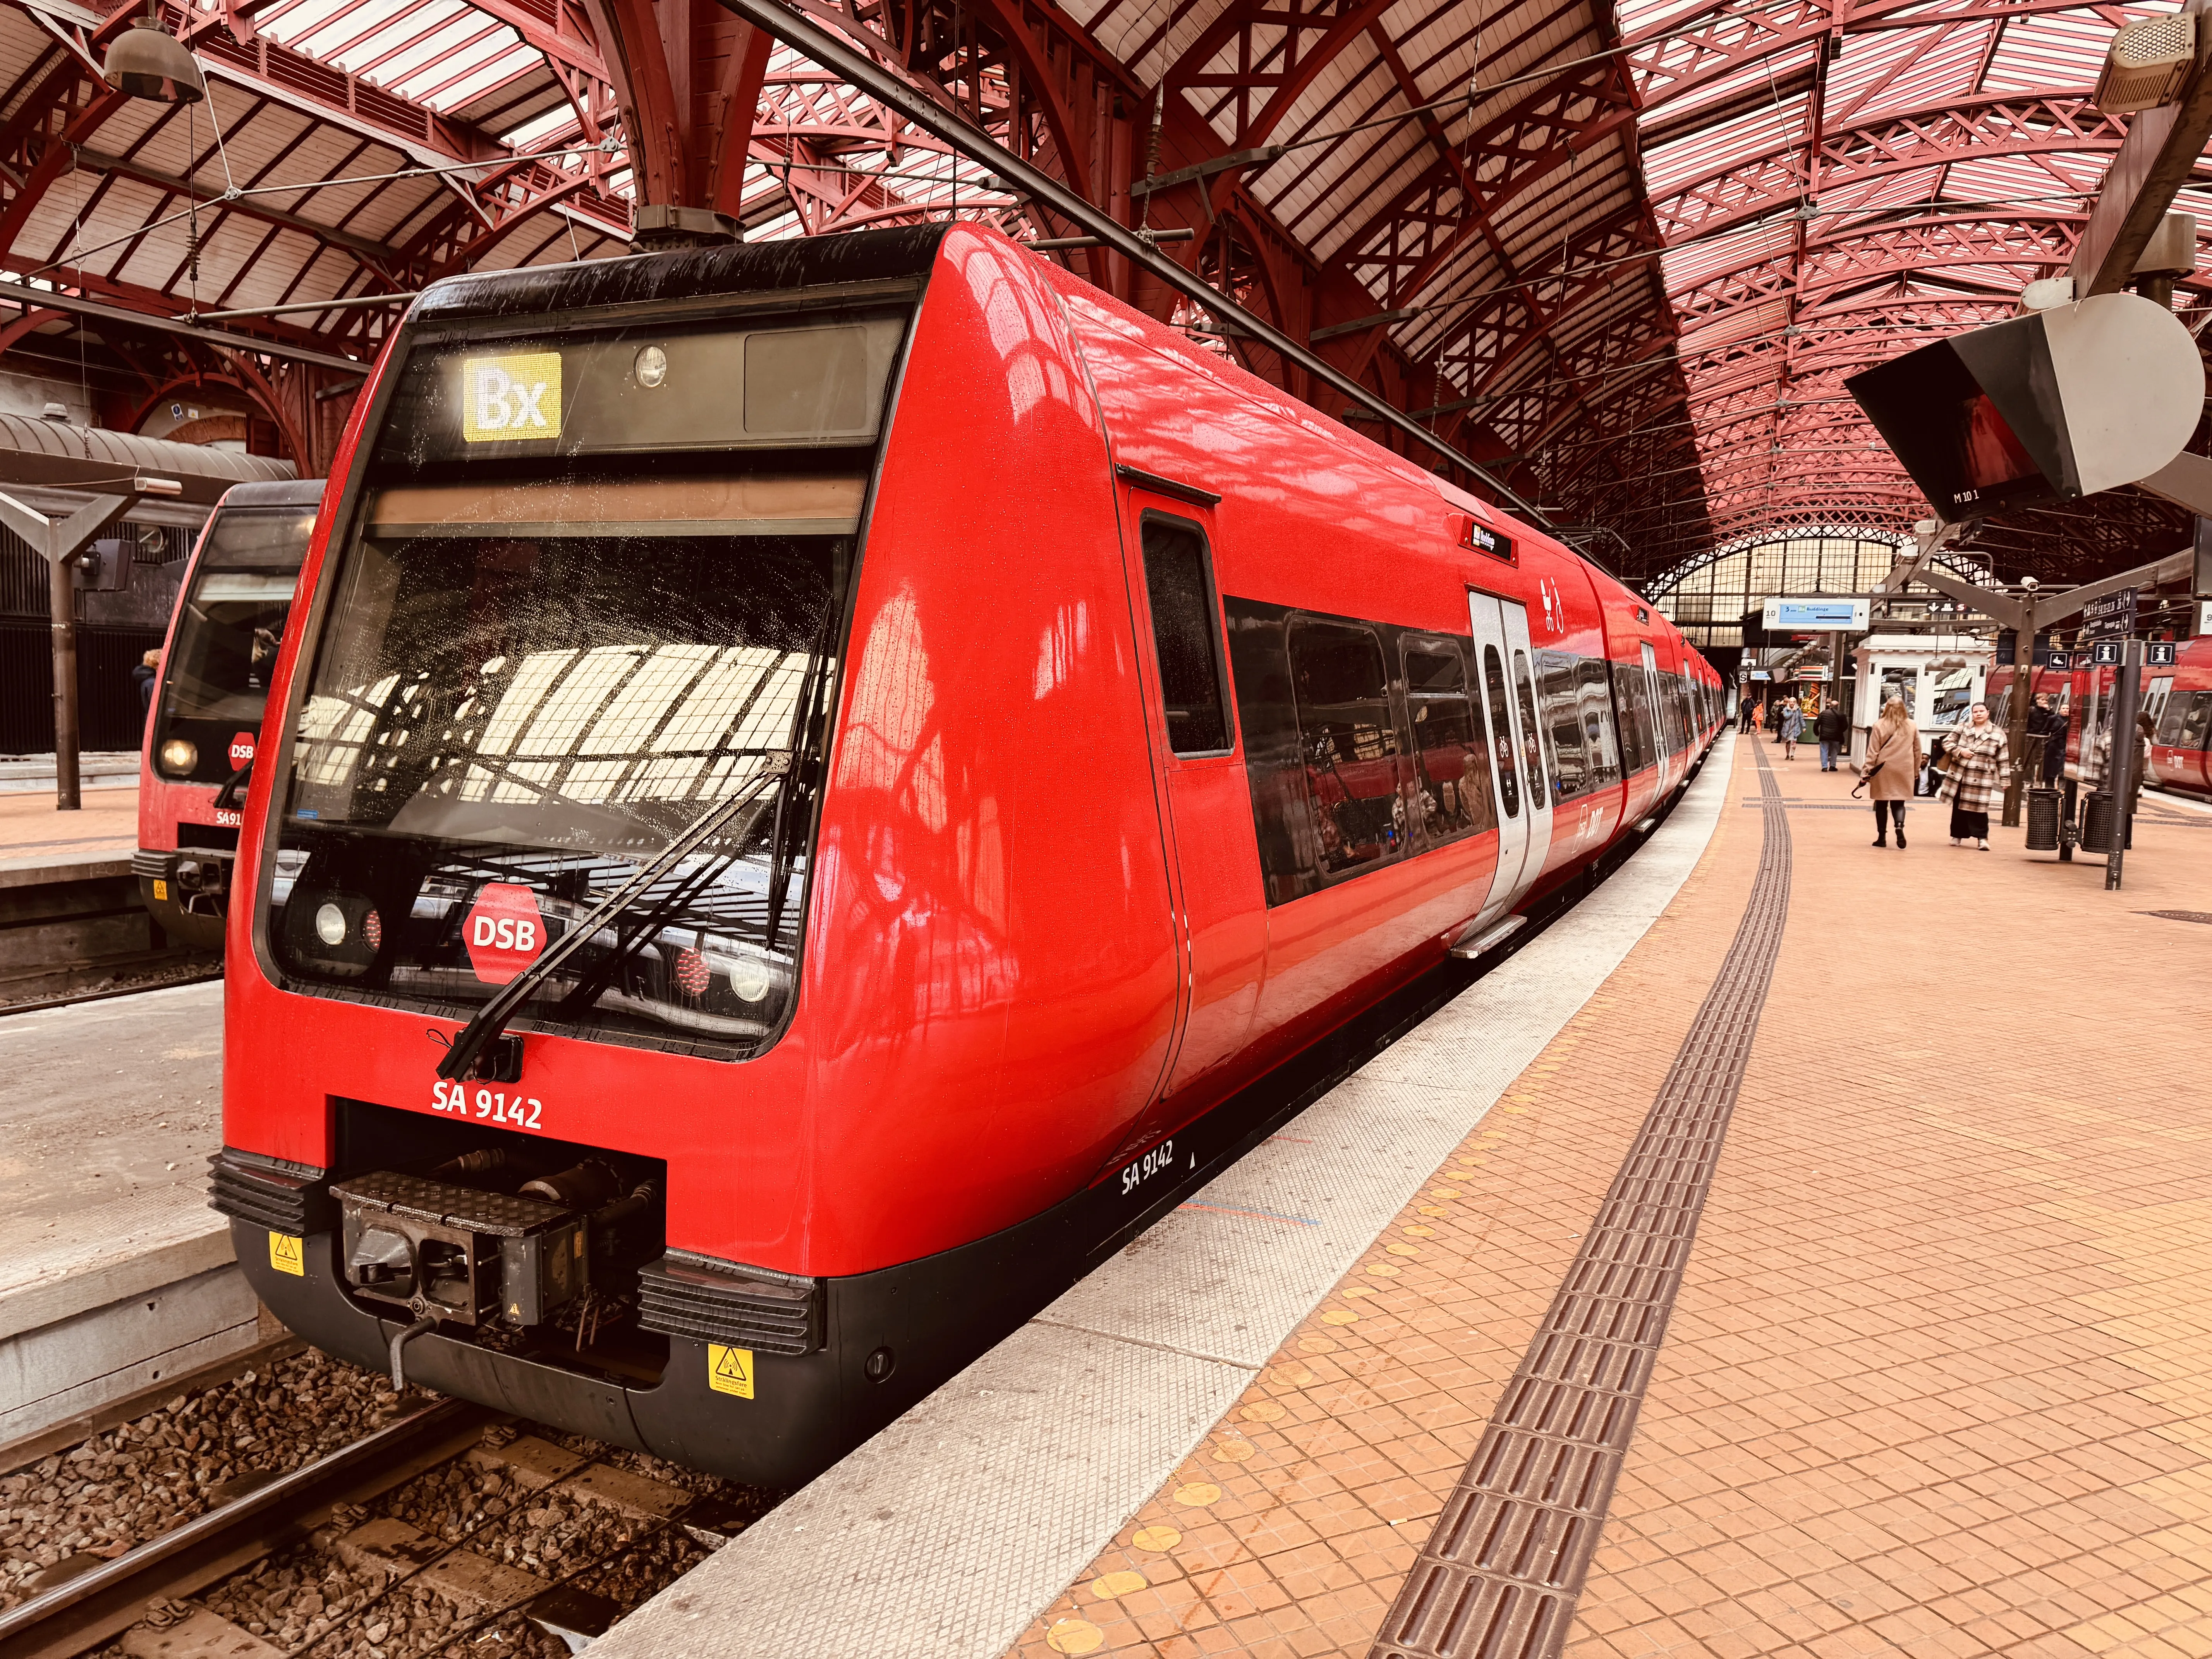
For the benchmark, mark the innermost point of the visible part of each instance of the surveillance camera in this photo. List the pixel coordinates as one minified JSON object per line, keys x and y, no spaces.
{"x":2030,"y":583}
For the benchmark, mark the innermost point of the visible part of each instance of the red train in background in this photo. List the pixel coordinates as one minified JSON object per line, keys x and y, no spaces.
{"x":2177,"y":698}
{"x":815,"y":785}
{"x":205,"y":723}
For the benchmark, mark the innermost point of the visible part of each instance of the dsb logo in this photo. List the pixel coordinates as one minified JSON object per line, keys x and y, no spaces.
{"x":504,"y":931}
{"x":241,"y":749}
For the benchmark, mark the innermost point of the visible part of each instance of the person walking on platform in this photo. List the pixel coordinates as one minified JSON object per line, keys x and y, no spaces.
{"x":1832,"y":730}
{"x":1894,"y":761}
{"x":1793,"y":727}
{"x":1973,"y":775}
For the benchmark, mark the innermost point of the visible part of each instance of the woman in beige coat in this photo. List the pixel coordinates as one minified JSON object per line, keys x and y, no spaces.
{"x":1894,"y":761}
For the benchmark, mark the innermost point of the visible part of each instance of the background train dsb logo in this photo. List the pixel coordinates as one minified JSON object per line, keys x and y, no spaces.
{"x":241,"y":749}
{"x":504,"y":931}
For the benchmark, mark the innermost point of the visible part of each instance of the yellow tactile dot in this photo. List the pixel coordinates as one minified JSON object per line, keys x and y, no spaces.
{"x":1315,"y":1344}
{"x":1074,"y":1635}
{"x":1402,"y":1250}
{"x":1295,"y":1376}
{"x":1233,"y":1451}
{"x":1434,"y":1209}
{"x":1109,"y":1585}
{"x":1444,"y":1192}
{"x":1384,"y":1270}
{"x":1340,"y":1316}
{"x":1198,"y":1494}
{"x":1262,"y":1411}
{"x":1419,"y":1232}
{"x":1156,"y":1538}
{"x":1358,"y":1291}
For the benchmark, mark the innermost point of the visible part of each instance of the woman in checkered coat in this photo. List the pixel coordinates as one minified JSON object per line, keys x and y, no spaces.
{"x":1974,"y":775}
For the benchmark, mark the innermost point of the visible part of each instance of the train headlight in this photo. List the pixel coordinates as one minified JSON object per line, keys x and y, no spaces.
{"x":330,"y":924}
{"x":651,"y":367}
{"x":179,"y":756}
{"x":751,"y":981}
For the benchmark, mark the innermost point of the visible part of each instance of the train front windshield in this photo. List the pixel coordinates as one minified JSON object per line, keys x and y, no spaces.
{"x":545,"y":657}
{"x":215,"y":679}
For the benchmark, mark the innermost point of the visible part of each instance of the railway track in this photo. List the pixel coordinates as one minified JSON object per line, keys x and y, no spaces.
{"x":449,"y":1527}
{"x":74,"y":929}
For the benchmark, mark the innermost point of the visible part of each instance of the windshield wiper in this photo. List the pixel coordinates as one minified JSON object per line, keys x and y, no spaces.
{"x":490,"y":1020}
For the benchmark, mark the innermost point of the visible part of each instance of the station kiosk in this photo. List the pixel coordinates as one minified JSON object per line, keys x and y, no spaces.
{"x":1940,"y":676}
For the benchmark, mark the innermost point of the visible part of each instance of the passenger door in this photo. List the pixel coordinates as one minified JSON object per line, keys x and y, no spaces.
{"x":1220,"y":920}
{"x":1652,"y":701}
{"x":1500,"y":628}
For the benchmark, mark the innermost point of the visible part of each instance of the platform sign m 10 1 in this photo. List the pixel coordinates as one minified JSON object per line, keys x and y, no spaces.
{"x":1827,"y":616}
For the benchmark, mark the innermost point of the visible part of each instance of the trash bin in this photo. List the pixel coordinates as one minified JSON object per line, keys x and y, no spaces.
{"x":2099,"y":816}
{"x":2042,"y":820}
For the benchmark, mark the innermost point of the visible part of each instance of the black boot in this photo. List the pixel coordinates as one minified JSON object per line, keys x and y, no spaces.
{"x":1900,"y":838}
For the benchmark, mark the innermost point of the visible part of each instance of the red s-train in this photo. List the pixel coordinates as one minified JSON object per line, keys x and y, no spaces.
{"x":814,"y":785}
{"x":2177,"y":698}
{"x":205,"y":722}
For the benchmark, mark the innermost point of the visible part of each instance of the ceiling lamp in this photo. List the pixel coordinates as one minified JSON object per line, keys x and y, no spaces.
{"x":148,"y":62}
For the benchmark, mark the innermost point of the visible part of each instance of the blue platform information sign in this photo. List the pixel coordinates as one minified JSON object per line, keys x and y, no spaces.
{"x":1842,"y":613}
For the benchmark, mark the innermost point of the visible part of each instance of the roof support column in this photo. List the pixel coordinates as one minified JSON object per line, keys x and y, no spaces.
{"x":688,"y":75}
{"x":59,"y":544}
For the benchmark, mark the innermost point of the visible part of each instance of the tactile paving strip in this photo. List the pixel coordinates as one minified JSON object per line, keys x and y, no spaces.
{"x":1503,"y":1570}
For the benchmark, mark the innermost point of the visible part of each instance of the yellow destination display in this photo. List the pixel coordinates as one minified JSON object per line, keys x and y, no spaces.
{"x":730,"y":1370}
{"x":287,"y":1255}
{"x":511,"y":399}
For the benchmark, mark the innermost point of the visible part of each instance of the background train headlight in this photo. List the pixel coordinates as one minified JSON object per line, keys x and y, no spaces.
{"x":751,"y":980}
{"x":651,"y":367}
{"x":330,"y":923}
{"x":179,"y":756}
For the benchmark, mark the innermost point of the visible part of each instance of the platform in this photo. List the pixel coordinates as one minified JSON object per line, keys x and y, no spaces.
{"x":1922,"y":1371}
{"x":115,"y":1277}
{"x":106,"y":822}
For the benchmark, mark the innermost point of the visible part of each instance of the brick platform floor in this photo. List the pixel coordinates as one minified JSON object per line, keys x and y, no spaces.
{"x":106,"y":822}
{"x":1939,"y":1380}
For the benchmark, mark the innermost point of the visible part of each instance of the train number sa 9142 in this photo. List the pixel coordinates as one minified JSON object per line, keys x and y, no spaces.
{"x":493,"y":1105}
{"x":1162,"y":1156}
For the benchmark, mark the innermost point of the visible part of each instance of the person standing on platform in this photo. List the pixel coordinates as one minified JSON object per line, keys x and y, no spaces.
{"x":1832,"y":730}
{"x":1749,"y":716}
{"x":143,"y":676}
{"x":2040,"y":722}
{"x":1793,"y":727}
{"x":1894,"y":761}
{"x":2054,"y":746}
{"x":1973,"y":775}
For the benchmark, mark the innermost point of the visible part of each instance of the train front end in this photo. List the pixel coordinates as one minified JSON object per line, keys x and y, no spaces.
{"x":203,"y":727}
{"x":529,"y":857}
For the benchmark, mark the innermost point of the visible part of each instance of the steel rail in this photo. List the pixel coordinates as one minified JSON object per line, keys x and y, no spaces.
{"x":833,"y":52}
{"x":94,"y":1607}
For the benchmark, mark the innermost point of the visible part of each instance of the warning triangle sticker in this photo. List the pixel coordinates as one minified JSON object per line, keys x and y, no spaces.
{"x":730,"y":1370}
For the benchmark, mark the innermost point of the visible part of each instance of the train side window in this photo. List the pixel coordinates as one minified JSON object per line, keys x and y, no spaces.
{"x":1532,"y":751}
{"x":1508,"y":779}
{"x":1187,"y":634}
{"x":1563,"y":722}
{"x":1594,"y":701}
{"x":2170,"y":719}
{"x":1451,"y":763}
{"x":2198,"y":721}
{"x":1350,"y":738}
{"x":1630,"y":696}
